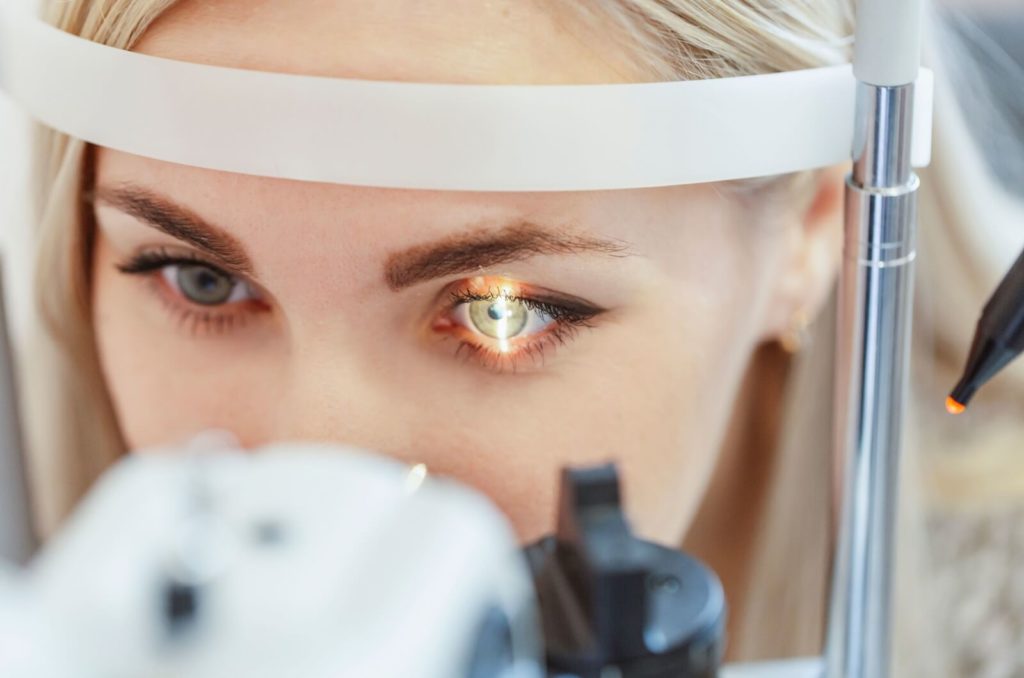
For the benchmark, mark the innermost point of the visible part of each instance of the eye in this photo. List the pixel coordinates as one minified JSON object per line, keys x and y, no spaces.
{"x":499,"y":323}
{"x":199,"y":294}
{"x":503,"y":318}
{"x":205,"y":285}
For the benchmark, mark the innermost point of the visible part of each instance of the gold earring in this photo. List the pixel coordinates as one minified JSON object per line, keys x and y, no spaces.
{"x":796,"y":335}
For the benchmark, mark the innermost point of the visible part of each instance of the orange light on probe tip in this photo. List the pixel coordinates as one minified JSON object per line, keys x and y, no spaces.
{"x":953,"y":407}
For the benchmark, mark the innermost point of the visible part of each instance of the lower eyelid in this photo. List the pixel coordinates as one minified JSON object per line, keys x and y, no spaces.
{"x":528,"y":352}
{"x":532,"y":356}
{"x":215,"y":319}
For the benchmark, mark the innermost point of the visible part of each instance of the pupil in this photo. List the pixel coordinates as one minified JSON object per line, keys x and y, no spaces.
{"x":207,"y":281}
{"x":497,"y":311}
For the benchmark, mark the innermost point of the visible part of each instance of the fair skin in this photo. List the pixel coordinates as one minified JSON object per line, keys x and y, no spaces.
{"x":329,"y":313}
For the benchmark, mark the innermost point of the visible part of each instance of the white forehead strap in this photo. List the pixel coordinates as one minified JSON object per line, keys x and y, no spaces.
{"x":434,"y":136}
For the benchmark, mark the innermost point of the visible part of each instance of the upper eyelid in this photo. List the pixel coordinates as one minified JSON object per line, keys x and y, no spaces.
{"x":570,"y":305}
{"x":197,"y":258}
{"x":189,"y":257}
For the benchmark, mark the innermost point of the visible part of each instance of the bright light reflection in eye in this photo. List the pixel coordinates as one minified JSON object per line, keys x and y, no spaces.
{"x":506,"y":293}
{"x":502,"y":318}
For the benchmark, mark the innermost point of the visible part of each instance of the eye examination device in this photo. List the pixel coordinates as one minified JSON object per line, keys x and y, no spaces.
{"x":314,"y":562}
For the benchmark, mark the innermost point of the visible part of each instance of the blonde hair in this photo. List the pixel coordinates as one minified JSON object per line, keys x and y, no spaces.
{"x":667,"y":39}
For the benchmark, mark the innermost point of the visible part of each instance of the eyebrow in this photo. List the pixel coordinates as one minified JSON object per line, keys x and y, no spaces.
{"x":468,"y":252}
{"x":462,"y":253}
{"x":176,"y":222}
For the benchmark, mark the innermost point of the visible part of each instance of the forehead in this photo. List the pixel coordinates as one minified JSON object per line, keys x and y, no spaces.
{"x":455,"y":41}
{"x":472,"y":41}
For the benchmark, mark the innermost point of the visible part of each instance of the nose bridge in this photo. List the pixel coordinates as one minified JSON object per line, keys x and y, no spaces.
{"x":330,"y":393}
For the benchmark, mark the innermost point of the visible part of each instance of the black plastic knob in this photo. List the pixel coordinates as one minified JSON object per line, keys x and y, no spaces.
{"x":614,"y":604}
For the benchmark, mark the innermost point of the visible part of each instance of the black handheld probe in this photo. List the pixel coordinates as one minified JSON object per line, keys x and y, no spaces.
{"x":998,"y":339}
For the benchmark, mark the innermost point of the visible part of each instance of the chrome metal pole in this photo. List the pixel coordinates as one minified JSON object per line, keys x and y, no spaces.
{"x":876,"y":294}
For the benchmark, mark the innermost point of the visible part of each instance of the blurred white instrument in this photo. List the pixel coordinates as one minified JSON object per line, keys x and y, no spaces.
{"x":298,"y":561}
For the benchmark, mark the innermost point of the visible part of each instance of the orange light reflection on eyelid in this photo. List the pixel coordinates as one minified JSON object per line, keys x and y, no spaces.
{"x":483,"y":284}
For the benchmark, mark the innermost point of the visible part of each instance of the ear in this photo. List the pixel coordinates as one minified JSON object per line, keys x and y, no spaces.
{"x":808,"y":269}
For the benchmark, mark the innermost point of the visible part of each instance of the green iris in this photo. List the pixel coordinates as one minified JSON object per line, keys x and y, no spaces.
{"x":500,"y":318}
{"x":203,"y":285}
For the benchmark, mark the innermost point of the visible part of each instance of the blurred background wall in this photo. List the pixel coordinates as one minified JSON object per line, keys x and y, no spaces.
{"x":14,"y":142}
{"x":993,"y":31}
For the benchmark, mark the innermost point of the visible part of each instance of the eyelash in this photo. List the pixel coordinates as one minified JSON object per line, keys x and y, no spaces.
{"x":567,"y":317}
{"x":563,"y":312}
{"x":199,"y":319}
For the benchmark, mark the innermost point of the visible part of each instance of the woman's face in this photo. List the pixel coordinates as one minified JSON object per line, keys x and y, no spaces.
{"x":493,"y":337}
